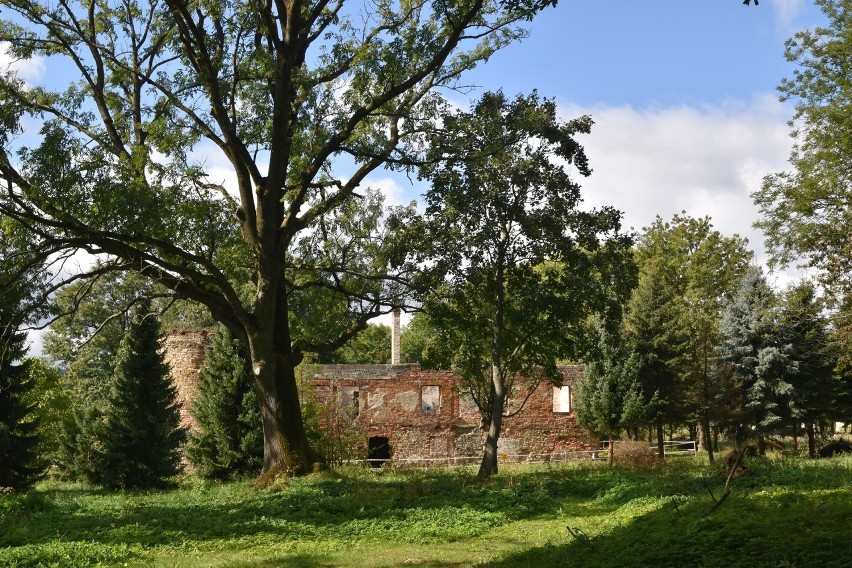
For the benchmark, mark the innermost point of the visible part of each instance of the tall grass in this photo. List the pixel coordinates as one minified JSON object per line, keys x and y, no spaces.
{"x":783,"y":512}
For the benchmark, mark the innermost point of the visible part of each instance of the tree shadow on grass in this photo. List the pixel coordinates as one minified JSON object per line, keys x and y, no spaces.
{"x":320,"y":561}
{"x":433,"y":506}
{"x":762,"y":529}
{"x":447,"y":505}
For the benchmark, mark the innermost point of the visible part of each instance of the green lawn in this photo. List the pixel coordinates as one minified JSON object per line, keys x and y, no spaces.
{"x":784,"y":513}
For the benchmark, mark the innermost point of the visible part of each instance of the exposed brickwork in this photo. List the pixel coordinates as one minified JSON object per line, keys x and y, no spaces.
{"x":391,"y":404}
{"x":184,"y":354}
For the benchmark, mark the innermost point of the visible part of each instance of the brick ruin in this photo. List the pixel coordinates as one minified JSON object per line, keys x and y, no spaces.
{"x":411,"y":414}
{"x":422,"y":416}
{"x":184,"y":354}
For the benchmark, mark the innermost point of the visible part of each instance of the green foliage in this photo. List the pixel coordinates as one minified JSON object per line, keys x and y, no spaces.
{"x":805,"y":212}
{"x":524,"y":264}
{"x":20,"y":462}
{"x":84,"y":345}
{"x":371,"y":346}
{"x":228,"y":438}
{"x":703,"y":268}
{"x":415,"y":338}
{"x":51,"y":405}
{"x":142,"y":423}
{"x":656,"y":330}
{"x":758,"y":366}
{"x":608,"y":397}
{"x":803,"y":326}
{"x":21,"y":284}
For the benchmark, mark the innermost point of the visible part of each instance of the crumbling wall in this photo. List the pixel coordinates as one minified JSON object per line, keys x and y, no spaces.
{"x":184,"y":353}
{"x":394,"y":401}
{"x":422,"y":413}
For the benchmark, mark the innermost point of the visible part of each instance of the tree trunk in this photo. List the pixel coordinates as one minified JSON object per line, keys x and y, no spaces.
{"x":285,"y":445}
{"x":610,"y":451}
{"x":795,"y":442}
{"x":809,"y":428}
{"x":704,"y":440}
{"x":488,"y":466}
{"x":661,"y":446}
{"x":286,"y":450}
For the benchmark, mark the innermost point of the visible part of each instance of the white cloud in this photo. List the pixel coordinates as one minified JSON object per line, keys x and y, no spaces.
{"x":705,"y":161}
{"x":35,"y":340}
{"x":29,"y":70}
{"x":787,"y":13}
{"x":393,"y":192}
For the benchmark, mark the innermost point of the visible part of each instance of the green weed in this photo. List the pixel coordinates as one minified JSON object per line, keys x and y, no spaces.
{"x":783,"y":512}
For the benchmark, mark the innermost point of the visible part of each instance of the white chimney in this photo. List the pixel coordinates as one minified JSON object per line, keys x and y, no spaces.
{"x":395,"y":336}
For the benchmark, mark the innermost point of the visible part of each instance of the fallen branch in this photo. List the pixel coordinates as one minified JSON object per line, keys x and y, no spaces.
{"x":582,"y":537}
{"x":727,"y":489}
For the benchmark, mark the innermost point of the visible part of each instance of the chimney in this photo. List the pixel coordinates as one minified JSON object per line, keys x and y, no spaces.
{"x":395,"y":335}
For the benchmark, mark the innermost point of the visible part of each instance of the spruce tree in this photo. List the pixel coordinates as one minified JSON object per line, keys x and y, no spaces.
{"x":142,"y":420}
{"x":656,"y":328}
{"x":228,"y":441}
{"x":816,"y":387}
{"x":20,"y":464}
{"x":757,"y":363}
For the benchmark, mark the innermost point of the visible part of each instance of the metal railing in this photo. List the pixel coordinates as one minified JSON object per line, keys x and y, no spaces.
{"x":670,"y":447}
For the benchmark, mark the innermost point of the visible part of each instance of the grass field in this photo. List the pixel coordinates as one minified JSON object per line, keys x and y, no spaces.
{"x":785,"y":512}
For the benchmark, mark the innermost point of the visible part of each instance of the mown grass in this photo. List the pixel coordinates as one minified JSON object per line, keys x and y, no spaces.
{"x":784,"y":513}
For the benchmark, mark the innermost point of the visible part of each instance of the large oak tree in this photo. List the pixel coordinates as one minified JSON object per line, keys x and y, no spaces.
{"x":284,"y":90}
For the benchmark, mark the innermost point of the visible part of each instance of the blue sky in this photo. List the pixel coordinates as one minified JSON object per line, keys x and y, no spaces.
{"x":683,"y":95}
{"x":651,"y":53}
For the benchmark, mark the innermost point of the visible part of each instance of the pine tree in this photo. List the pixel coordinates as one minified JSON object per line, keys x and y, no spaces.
{"x":229,"y":437}
{"x":142,"y":420}
{"x":758,"y":364}
{"x":20,"y":465}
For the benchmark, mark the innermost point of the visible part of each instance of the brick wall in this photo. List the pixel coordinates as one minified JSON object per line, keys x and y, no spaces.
{"x":391,"y":405}
{"x":184,"y":354}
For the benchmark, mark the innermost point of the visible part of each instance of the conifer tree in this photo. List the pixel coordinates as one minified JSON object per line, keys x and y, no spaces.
{"x":656,"y":328}
{"x":816,"y":387}
{"x":758,"y":364}
{"x":608,"y":397}
{"x":20,"y":464}
{"x":229,"y":437}
{"x":21,"y":301}
{"x":142,"y":420}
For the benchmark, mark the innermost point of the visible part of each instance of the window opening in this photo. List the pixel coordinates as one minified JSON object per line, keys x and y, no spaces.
{"x":562,"y":399}
{"x":378,"y":451}
{"x":430,"y":397}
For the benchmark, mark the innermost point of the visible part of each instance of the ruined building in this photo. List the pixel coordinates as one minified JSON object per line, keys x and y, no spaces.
{"x":409,"y":414}
{"x":415,"y":415}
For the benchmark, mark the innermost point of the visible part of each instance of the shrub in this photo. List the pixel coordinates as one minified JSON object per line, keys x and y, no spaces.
{"x":834,"y":448}
{"x":630,"y":453}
